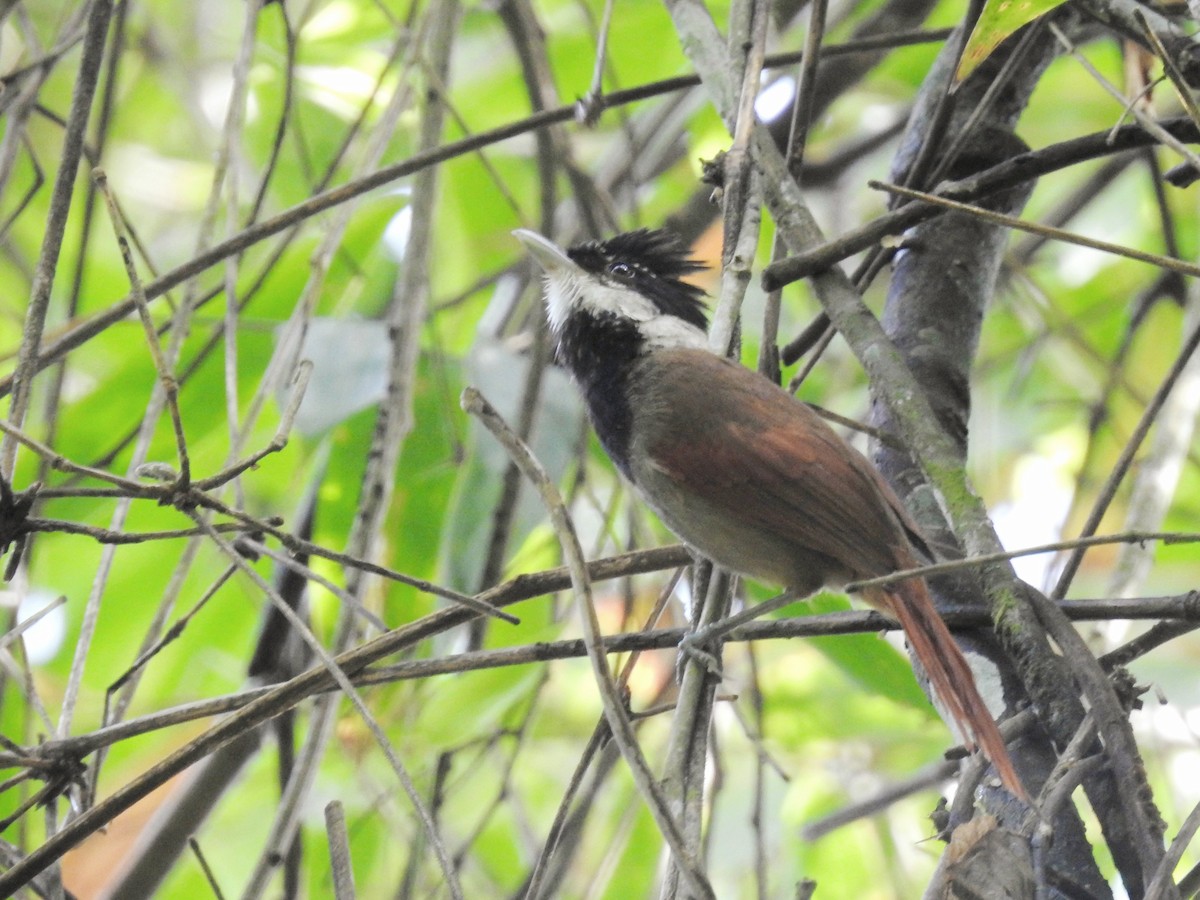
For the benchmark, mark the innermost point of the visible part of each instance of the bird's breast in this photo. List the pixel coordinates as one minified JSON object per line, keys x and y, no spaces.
{"x":692,"y":458}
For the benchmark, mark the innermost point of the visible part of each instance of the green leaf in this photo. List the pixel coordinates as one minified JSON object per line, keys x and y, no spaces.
{"x":999,"y":19}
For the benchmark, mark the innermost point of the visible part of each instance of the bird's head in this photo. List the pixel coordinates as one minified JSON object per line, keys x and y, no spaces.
{"x":631,"y":283}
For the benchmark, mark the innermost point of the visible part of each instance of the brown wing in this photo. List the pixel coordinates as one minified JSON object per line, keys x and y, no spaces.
{"x":770,"y":461}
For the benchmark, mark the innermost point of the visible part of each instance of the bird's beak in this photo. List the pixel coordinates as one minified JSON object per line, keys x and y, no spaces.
{"x":548,"y":254}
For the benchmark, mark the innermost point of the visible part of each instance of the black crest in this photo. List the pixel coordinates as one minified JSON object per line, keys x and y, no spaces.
{"x":652,"y":263}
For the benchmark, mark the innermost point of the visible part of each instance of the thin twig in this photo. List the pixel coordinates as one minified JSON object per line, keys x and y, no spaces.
{"x":339,"y":851}
{"x":167,"y":381}
{"x":1081,"y":543}
{"x":1121,"y":466}
{"x":1155,"y":259}
{"x":332,"y":197}
{"x":227,"y":176}
{"x":1185,"y":608}
{"x":1143,"y":118}
{"x":618,"y":720}
{"x":1162,"y":884}
{"x":209,"y":875}
{"x":29,"y":358}
{"x":1022,"y":168}
{"x":345,"y":687}
{"x":29,"y":621}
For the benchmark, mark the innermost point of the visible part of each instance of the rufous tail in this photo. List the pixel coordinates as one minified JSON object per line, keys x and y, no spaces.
{"x":948,"y":671}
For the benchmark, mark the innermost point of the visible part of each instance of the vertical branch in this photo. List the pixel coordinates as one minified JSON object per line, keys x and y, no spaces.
{"x":1182,"y":364}
{"x":916,"y":422}
{"x":687,"y":750}
{"x":803,"y":106}
{"x":166,"y":380}
{"x":688,"y":865}
{"x":738,"y":80}
{"x":283,"y":364}
{"x":934,"y":313}
{"x":104,"y":118}
{"x":159,"y":396}
{"x":742,"y":198}
{"x":56,"y":223}
{"x":405,"y":319}
{"x":339,"y":851}
{"x":687,"y":746}
{"x":231,"y":136}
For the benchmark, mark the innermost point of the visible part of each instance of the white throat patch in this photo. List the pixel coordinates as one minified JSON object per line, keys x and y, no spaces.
{"x":570,"y":291}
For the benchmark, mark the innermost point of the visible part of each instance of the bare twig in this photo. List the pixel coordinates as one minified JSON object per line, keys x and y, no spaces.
{"x":339,"y":851}
{"x":81,"y":333}
{"x":1155,"y":259}
{"x":618,"y":719}
{"x":166,"y":379}
{"x":1162,"y":884}
{"x":28,"y":361}
{"x":1121,"y":465}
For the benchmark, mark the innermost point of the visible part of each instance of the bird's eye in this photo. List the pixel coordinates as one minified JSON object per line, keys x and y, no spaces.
{"x":624,"y":271}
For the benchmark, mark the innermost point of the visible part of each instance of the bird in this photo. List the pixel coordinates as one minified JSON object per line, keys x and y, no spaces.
{"x":739,"y":469}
